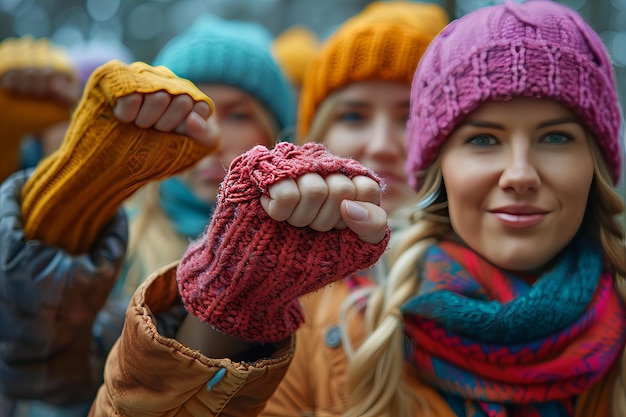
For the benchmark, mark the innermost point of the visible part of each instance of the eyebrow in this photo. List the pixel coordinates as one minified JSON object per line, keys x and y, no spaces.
{"x":561,"y":121}
{"x":364,"y":103}
{"x":491,"y":125}
{"x":234,"y":102}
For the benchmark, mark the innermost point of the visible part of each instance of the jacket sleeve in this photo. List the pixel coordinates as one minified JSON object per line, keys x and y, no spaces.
{"x":48,"y":302}
{"x":148,"y":374}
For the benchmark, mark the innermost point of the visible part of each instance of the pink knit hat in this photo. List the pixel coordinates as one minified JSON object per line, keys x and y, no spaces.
{"x":536,"y":49}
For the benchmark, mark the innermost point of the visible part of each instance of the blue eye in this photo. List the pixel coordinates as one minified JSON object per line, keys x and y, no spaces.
{"x":556,"y":138}
{"x":482,"y":140}
{"x":350,"y":117}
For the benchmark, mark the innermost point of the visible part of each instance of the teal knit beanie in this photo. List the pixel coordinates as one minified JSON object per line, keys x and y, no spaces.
{"x":236,"y":53}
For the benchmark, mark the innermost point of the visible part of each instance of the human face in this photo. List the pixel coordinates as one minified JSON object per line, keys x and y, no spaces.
{"x":368,"y":123}
{"x":517,"y":176}
{"x":240,"y":130}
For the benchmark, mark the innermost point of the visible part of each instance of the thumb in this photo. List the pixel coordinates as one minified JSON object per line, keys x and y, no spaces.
{"x":367,"y":220}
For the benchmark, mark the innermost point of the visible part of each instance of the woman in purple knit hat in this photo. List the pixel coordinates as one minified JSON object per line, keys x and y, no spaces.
{"x":505,"y":296}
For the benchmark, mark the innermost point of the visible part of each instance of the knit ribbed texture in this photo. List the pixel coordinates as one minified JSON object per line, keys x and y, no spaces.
{"x":245,"y":274}
{"x":236,"y":53}
{"x":102,"y":161}
{"x":535,"y":49}
{"x":22,"y":115}
{"x":383,"y":42}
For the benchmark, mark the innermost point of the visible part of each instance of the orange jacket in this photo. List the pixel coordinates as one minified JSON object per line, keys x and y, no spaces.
{"x":148,"y":374}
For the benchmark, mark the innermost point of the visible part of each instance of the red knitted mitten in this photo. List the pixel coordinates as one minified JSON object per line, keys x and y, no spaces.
{"x":245,"y":274}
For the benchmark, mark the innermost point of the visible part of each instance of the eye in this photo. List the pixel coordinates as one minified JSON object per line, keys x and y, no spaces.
{"x":238,"y":115}
{"x":482,"y":140}
{"x":350,"y":117}
{"x":557,"y":137}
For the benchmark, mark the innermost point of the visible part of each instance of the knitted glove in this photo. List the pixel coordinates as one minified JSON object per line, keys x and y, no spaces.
{"x":23,"y":115}
{"x":245,"y":274}
{"x":102,"y":161}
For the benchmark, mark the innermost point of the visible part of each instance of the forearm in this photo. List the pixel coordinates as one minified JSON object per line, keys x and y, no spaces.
{"x":48,"y":303}
{"x":170,"y":375}
{"x":211,"y":343}
{"x":103,"y":161}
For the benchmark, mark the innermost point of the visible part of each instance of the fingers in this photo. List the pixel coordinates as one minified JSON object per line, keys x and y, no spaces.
{"x":283,"y":198}
{"x":326,"y":203}
{"x":41,"y":83}
{"x":175,"y":112}
{"x":127,"y":108}
{"x":206,"y":132}
{"x":152,"y":109}
{"x":367,"y":220}
{"x":167,"y":113}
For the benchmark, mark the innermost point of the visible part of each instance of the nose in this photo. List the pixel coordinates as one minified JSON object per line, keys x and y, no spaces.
{"x":387,"y":140}
{"x":520,"y":173}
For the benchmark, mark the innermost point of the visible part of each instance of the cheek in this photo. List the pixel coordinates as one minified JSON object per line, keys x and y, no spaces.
{"x":345,"y":142}
{"x":467,"y":188}
{"x":236,"y":140}
{"x":574,"y":199}
{"x":464,"y":208}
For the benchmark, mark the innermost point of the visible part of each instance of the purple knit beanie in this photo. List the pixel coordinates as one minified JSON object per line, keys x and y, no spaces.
{"x":535,"y":49}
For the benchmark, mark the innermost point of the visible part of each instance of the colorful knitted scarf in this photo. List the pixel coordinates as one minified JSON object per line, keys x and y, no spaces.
{"x":495,"y":345}
{"x":189,"y":215}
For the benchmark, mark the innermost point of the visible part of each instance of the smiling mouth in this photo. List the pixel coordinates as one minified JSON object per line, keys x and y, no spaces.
{"x":519,"y":220}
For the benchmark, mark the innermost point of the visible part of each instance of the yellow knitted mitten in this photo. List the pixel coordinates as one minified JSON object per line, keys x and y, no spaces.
{"x":22,"y":115}
{"x":102,"y":161}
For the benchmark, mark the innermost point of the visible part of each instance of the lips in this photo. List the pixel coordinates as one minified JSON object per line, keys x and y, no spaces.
{"x":519,"y":216}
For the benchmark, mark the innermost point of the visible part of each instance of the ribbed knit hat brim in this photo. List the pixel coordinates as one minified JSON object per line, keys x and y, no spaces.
{"x":384,"y":42}
{"x":233,"y":53}
{"x":537,"y":49}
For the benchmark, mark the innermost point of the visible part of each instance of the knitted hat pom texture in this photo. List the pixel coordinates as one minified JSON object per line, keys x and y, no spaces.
{"x":538,"y":49}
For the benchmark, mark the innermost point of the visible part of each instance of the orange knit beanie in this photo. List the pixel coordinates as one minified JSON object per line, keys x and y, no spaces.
{"x":385,"y":41}
{"x":293,"y":49}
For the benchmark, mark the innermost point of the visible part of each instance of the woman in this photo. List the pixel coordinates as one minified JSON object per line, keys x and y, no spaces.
{"x":460,"y":327}
{"x":230,"y":61}
{"x":514,"y":307}
{"x":355,"y":92}
{"x":252,"y":103}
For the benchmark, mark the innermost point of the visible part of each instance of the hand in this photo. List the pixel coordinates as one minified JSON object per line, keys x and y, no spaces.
{"x":41,"y":83}
{"x":326,"y":203}
{"x":288,"y":221}
{"x":169,"y":113}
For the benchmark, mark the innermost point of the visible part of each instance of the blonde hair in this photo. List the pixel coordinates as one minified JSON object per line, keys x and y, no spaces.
{"x":153,"y":242}
{"x":379,"y":390}
{"x":322,"y":120}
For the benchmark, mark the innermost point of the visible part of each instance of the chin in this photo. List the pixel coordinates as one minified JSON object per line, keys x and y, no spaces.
{"x":524,"y":264}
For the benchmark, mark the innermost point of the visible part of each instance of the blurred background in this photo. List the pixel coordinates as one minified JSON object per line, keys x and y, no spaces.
{"x":143,"y":26}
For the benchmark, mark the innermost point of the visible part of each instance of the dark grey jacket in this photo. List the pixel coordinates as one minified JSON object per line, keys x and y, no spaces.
{"x":49,"y":301}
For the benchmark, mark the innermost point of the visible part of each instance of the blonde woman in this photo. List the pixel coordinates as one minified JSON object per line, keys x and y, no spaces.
{"x":355,"y":92}
{"x":503,"y":297}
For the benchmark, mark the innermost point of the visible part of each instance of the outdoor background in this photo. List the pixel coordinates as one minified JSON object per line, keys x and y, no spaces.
{"x":145,"y":26}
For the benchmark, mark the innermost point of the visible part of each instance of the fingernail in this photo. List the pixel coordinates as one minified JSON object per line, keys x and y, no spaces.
{"x":355,"y":211}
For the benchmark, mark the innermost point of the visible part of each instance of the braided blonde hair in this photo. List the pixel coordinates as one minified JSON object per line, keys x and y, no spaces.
{"x":374,"y":382}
